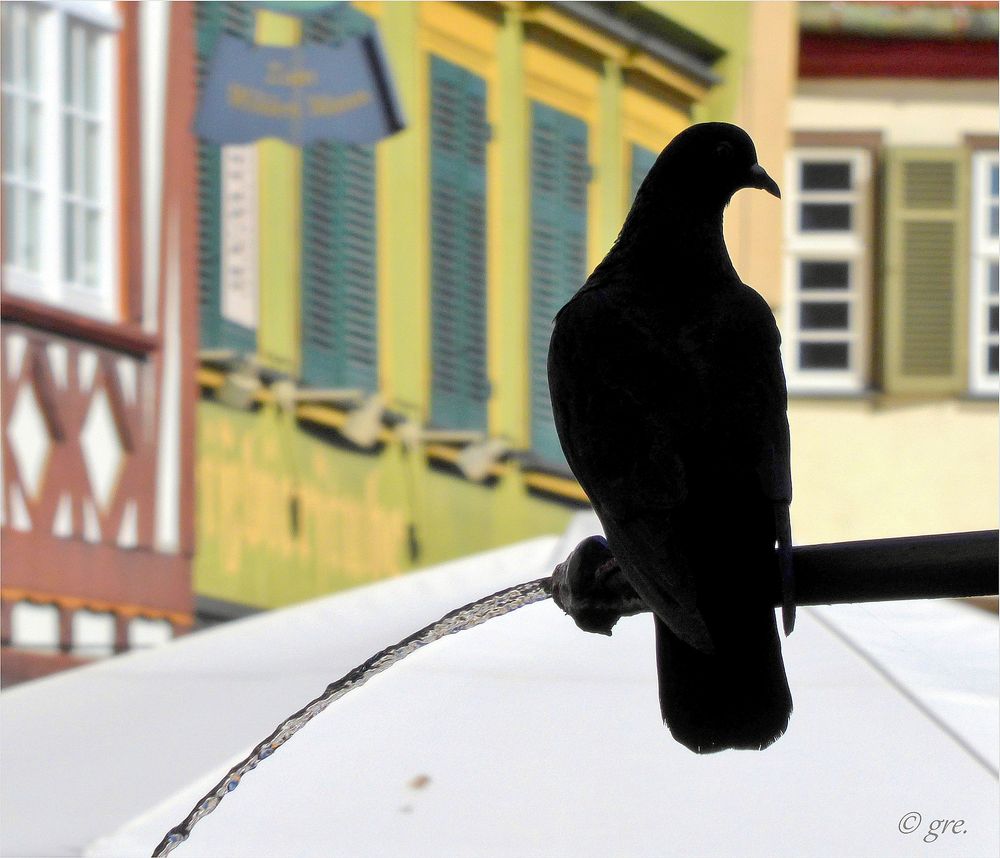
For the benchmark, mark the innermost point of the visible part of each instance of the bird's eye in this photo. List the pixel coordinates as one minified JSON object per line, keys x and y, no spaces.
{"x":724,"y":152}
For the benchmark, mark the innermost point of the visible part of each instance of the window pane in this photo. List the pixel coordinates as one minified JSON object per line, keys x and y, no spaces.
{"x":147,"y":633}
{"x":10,"y":196}
{"x":32,"y":141}
{"x":71,"y":83}
{"x":992,"y":360}
{"x":994,"y":221}
{"x":826,"y":216}
{"x":93,"y":633}
{"x":30,"y":55}
{"x":823,"y":355}
{"x":91,"y":71}
{"x":993,"y":278}
{"x":994,"y":180}
{"x":69,"y":242}
{"x":91,"y":160}
{"x":994,"y":328}
{"x":824,"y":275}
{"x":823,"y":316}
{"x":69,"y":155}
{"x":34,"y":625}
{"x":9,"y":133}
{"x":826,"y":176}
{"x":33,"y":231}
{"x":92,"y":226}
{"x":7,"y":25}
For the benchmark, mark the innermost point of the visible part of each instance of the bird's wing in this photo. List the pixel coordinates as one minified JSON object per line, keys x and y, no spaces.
{"x":612,"y":416}
{"x":766,"y":396}
{"x":765,"y":403}
{"x":620,"y":420}
{"x":645,"y":421}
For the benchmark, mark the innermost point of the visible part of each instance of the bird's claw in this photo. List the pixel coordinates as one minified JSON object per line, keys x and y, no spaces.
{"x":590,"y":587}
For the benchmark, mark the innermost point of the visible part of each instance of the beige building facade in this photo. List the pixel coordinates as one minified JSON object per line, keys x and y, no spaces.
{"x":888,"y":303}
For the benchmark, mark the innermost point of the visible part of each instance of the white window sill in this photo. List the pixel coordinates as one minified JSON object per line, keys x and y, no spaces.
{"x":818,"y":393}
{"x":65,"y":296}
{"x":982,"y":394}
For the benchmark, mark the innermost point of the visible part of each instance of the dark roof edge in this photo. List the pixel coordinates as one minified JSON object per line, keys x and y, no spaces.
{"x":655,"y":45}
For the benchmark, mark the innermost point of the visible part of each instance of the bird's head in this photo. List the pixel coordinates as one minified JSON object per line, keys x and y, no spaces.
{"x":708,"y":163}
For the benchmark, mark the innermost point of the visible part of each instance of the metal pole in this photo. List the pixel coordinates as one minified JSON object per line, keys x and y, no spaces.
{"x":590,"y":586}
{"x":947,"y":565}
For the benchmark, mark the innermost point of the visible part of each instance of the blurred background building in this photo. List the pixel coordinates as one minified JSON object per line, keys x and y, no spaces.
{"x":98,"y":329}
{"x":237,"y":377}
{"x":889,"y":303}
{"x":373,"y":375}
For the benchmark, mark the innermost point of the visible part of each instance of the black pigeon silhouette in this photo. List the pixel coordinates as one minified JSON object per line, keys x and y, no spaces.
{"x":669,"y":399}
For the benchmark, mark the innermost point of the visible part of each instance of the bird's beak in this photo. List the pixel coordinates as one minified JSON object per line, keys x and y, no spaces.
{"x":760,"y":179}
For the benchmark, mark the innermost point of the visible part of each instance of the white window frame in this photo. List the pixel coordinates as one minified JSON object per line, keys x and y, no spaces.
{"x":851,"y":246}
{"x":48,"y":284}
{"x":985,"y":249}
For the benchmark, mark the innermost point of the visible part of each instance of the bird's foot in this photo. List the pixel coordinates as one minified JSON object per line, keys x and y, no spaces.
{"x":590,"y":587}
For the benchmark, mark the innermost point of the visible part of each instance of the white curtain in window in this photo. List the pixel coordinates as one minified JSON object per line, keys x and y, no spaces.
{"x":34,"y":626}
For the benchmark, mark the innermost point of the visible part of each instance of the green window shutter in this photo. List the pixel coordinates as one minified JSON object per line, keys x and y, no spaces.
{"x":339,"y":268}
{"x":926,"y":272}
{"x":459,"y":133}
{"x":642,"y":162}
{"x":560,"y":175}
{"x":211,"y":20}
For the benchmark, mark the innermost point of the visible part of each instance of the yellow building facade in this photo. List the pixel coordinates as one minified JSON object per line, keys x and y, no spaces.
{"x":381,"y":403}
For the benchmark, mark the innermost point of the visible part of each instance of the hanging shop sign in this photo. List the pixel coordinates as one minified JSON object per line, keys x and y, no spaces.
{"x":300,"y":94}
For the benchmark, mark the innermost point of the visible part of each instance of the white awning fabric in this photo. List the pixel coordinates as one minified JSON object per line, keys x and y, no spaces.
{"x":522,"y":737}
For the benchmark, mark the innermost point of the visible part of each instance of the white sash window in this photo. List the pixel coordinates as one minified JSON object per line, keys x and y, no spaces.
{"x":60,"y":154}
{"x":985,"y":269}
{"x":827,"y":271}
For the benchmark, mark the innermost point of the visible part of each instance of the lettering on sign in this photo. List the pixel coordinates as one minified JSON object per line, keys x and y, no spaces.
{"x":261,"y":103}
{"x":348,"y":534}
{"x":240,"y":260}
{"x":301,"y":94}
{"x":278,"y":74}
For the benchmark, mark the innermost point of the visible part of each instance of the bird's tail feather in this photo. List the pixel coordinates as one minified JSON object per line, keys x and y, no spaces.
{"x":734,"y":697}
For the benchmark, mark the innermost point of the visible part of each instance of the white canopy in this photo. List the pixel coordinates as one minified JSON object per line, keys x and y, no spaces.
{"x":522,"y":737}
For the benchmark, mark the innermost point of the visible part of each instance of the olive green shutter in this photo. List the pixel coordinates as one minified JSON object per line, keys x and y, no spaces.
{"x":926,"y":271}
{"x":560,"y":174}
{"x":459,"y":134}
{"x":213,"y":19}
{"x":642,"y":162}
{"x":339,"y":304}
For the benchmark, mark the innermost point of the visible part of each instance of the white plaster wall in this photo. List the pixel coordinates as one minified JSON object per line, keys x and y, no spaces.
{"x":863,"y":470}
{"x":753,"y":223}
{"x":908,"y":112}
